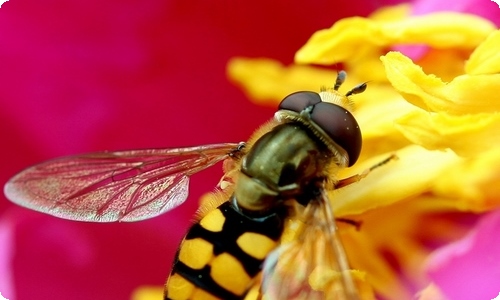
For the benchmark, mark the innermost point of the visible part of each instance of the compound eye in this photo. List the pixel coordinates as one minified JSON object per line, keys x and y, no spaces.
{"x":298,"y":101}
{"x":341,"y":127}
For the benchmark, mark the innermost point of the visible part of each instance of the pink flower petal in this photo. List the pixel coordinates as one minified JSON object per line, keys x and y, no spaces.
{"x":7,"y":250}
{"x":88,"y":75}
{"x":484,"y":8}
{"x":470,"y":267}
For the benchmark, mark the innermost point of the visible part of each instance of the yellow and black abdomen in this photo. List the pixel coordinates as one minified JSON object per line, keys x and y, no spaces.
{"x":222,"y":254}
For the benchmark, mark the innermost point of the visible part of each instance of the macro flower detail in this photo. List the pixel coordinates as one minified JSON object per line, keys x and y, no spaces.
{"x":460,"y":115}
{"x":465,"y":94}
{"x":358,"y":42}
{"x":124,"y":76}
{"x":438,"y":114}
{"x":82,"y":80}
{"x":354,"y":38}
{"x":485,"y":59}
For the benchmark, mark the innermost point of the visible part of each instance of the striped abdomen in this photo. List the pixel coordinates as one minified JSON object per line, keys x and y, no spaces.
{"x":222,"y":254}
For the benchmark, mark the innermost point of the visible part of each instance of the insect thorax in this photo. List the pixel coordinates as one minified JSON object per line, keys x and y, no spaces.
{"x":285,"y":163}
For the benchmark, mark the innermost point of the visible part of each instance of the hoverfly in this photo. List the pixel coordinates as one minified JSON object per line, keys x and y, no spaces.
{"x":283,"y":171}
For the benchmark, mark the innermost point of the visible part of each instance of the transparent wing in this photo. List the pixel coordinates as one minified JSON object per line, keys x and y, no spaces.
{"x":314,"y":266}
{"x":114,"y":186}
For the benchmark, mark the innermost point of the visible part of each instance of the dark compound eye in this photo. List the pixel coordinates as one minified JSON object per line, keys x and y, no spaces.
{"x":298,"y":101}
{"x":337,"y":122}
{"x":341,"y":127}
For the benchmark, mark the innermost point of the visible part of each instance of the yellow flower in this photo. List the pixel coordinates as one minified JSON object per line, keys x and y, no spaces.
{"x":439,"y":115}
{"x":147,"y":293}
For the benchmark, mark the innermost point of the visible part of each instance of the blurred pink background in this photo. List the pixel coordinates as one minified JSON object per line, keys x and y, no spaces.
{"x":83,"y":76}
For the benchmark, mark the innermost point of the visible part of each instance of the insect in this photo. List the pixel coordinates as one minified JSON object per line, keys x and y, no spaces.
{"x":282,"y":172}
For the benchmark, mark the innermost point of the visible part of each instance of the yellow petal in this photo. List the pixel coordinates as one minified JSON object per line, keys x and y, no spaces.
{"x":441,"y":30}
{"x":348,"y":39}
{"x":391,"y":13}
{"x":380,"y":274}
{"x":368,"y":69}
{"x":467,"y":135}
{"x":451,"y":62}
{"x":466,"y":94}
{"x":402,"y":232}
{"x":377,"y":111}
{"x":486,"y":58}
{"x":353,"y":38}
{"x":473,"y":184}
{"x":267,"y":81}
{"x":148,"y":293}
{"x":411,"y":174}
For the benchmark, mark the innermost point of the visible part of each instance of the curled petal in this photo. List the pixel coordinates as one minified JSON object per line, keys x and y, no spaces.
{"x":486,"y":58}
{"x":466,"y":94}
{"x":467,"y":135}
{"x":413,"y":172}
{"x":353,"y":38}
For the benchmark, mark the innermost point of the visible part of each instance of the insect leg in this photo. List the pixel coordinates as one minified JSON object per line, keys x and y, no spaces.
{"x":358,"y":177}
